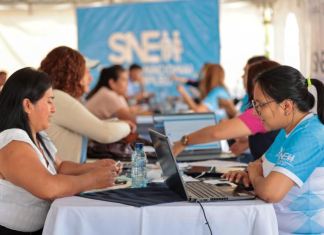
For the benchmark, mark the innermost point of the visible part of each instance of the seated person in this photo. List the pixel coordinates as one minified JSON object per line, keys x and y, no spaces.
{"x":245,"y":104}
{"x":72,"y":124}
{"x":31,"y":174}
{"x":246,"y":124}
{"x":107,"y":99}
{"x":212,"y":88}
{"x":290,"y":173}
{"x":193,"y":83}
{"x":136,"y":86}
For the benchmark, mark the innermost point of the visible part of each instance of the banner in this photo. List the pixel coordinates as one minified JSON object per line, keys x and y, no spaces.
{"x":165,"y":38}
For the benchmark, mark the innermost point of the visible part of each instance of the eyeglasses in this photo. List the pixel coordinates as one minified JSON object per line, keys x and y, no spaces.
{"x":258,"y":106}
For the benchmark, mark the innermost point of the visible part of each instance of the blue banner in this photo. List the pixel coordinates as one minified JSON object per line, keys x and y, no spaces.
{"x":165,"y":38}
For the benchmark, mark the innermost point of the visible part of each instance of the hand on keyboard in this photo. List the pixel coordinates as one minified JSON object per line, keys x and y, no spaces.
{"x":241,"y":186}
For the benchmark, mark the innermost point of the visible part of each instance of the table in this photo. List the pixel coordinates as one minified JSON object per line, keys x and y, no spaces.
{"x":82,"y":216}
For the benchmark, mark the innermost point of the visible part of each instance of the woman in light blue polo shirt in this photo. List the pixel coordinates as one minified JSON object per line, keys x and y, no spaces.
{"x":213,"y":90}
{"x":291,"y":172}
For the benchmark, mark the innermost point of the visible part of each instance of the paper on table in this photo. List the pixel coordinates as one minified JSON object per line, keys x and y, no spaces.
{"x":148,"y":149}
{"x":224,"y":170}
{"x":187,"y":178}
{"x":183,"y":165}
{"x":218,"y":163}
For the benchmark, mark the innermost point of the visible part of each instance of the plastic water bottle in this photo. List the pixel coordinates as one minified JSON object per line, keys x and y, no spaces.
{"x":139,"y":179}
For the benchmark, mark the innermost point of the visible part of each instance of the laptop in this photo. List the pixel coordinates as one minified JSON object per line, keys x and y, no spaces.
{"x":144,"y":122}
{"x":191,"y":191}
{"x":174,"y":126}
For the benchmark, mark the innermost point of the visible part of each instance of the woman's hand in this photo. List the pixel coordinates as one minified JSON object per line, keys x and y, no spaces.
{"x":177,"y":148}
{"x":181,"y":89}
{"x":255,"y":169}
{"x":240,"y":145}
{"x":237,"y":176}
{"x":110,"y":164}
{"x":103,"y":177}
{"x":104,"y":163}
{"x":132,"y":126}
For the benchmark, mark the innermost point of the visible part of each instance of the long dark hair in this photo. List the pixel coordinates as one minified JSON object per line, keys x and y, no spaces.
{"x":107,"y":74}
{"x":285,"y":82}
{"x":24,"y":83}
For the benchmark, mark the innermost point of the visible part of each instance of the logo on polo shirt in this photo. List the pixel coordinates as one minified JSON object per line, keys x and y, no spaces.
{"x":284,"y":158}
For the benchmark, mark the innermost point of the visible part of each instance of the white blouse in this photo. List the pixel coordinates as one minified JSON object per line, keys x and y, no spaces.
{"x":19,"y":209}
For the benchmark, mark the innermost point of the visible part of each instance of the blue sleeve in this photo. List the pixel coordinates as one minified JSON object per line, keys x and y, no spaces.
{"x":211,"y":100}
{"x":299,"y":157}
{"x":245,"y":103}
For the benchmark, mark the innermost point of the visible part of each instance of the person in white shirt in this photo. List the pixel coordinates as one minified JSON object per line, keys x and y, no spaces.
{"x":31,"y":173}
{"x":72,"y":124}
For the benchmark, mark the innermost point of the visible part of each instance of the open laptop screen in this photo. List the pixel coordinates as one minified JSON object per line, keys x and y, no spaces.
{"x":169,"y":167}
{"x":174,"y":126}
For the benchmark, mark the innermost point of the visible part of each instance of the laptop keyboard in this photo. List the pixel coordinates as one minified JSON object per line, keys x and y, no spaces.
{"x":200,"y":190}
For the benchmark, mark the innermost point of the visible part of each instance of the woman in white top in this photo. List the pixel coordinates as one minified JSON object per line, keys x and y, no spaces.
{"x":72,"y":123}
{"x":31,"y":175}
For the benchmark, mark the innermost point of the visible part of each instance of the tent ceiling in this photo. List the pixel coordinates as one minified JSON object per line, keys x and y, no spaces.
{"x":49,"y":1}
{"x":259,"y":2}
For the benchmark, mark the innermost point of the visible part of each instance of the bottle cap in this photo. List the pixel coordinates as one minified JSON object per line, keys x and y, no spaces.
{"x":139,"y":146}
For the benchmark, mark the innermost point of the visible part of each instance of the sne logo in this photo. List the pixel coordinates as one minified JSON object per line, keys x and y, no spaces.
{"x":285,"y":158}
{"x":152,"y":47}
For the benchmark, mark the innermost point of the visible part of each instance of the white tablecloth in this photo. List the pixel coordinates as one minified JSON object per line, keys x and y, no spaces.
{"x":81,"y":216}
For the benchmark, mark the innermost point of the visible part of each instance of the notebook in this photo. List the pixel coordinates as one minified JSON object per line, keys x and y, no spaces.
{"x":174,"y":126}
{"x":191,"y":191}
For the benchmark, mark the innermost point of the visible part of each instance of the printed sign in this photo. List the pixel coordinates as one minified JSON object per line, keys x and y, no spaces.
{"x":165,"y":38}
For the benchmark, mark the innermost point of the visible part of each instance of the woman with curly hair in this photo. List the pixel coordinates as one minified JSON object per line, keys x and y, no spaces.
{"x":72,"y":123}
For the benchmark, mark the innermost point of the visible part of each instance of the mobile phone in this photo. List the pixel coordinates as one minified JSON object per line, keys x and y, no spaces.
{"x":207,"y":171}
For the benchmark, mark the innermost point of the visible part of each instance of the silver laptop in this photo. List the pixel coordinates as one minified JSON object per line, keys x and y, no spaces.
{"x":174,"y":126}
{"x":191,"y":191}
